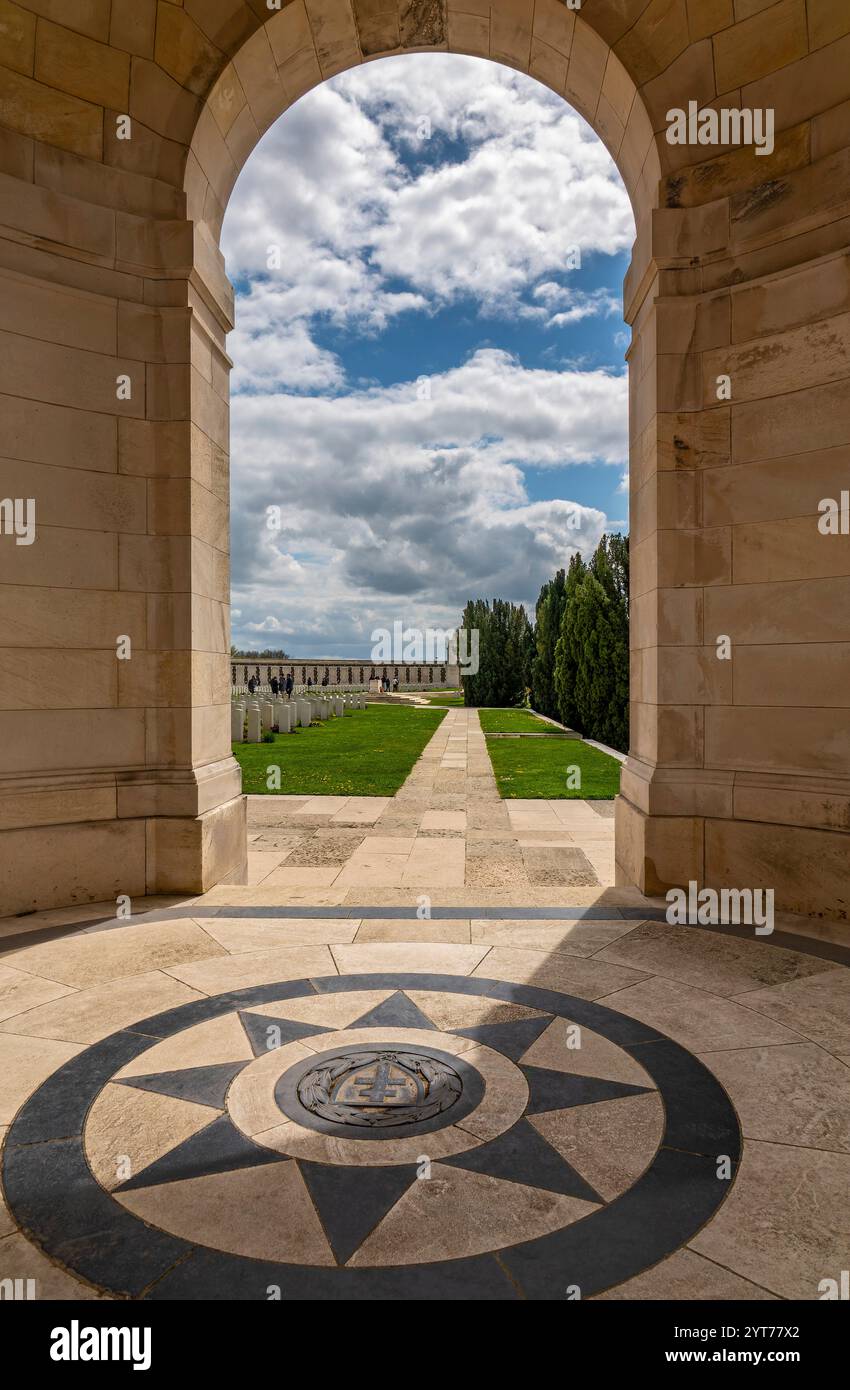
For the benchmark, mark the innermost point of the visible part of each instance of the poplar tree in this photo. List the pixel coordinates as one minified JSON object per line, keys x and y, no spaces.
{"x":567,"y":649}
{"x":592,"y":653}
{"x":505,"y":642}
{"x":550,"y":607}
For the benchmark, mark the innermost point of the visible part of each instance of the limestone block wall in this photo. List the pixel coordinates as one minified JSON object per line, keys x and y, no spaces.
{"x":123,"y":126}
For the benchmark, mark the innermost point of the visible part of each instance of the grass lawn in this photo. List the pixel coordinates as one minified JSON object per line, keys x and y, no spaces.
{"x":450,"y":698}
{"x":513,"y":721}
{"x":537,"y":767}
{"x":367,"y":753}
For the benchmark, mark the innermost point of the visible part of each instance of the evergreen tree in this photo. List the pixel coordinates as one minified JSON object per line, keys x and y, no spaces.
{"x":610,"y":716}
{"x":592,"y":655}
{"x":567,"y":648}
{"x":504,"y":653}
{"x":550,"y":607}
{"x":589,"y":625}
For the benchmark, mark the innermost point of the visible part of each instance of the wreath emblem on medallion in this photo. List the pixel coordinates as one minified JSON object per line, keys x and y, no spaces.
{"x":379,"y":1089}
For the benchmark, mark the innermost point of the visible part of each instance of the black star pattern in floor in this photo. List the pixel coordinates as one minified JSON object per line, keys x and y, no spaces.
{"x":351,"y":1199}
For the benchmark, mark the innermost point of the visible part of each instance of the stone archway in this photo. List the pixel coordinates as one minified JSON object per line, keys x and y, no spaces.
{"x":116,"y":775}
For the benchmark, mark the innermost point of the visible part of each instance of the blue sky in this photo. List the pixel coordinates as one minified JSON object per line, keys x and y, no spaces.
{"x":427,"y":386}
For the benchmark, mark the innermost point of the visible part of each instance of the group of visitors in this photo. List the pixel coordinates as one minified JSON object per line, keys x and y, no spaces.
{"x":281,"y":687}
{"x":278,"y":687}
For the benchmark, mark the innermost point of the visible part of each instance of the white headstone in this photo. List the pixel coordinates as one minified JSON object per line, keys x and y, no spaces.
{"x":255,"y":732}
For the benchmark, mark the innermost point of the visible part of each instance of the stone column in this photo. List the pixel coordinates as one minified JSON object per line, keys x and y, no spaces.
{"x":739,"y":767}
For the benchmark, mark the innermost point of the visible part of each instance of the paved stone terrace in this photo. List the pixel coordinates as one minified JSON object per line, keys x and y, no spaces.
{"x":446,"y":829}
{"x":148,"y":1150}
{"x":594,"y":1069}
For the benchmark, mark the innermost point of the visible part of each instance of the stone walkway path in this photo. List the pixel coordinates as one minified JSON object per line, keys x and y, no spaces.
{"x":445,"y":829}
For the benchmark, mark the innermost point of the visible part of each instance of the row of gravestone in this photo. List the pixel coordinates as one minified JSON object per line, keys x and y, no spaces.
{"x":250,"y":718}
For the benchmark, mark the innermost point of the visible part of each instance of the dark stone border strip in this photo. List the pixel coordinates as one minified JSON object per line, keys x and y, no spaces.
{"x":444,"y":914}
{"x":525,"y":734}
{"x":788,"y":941}
{"x":54,"y":1196}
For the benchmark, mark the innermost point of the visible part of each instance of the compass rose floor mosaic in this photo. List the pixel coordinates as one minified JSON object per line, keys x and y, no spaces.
{"x":553,"y":1108}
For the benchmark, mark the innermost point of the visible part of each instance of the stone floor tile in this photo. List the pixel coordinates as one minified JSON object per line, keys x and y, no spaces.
{"x":126,"y":950}
{"x":303,"y":877}
{"x":698,"y":1019}
{"x":323,"y":805}
{"x":582,"y":1052}
{"x":710,"y":960}
{"x":335,"y":1011}
{"x":256,"y":968}
{"x":24,"y":1063}
{"x":609,"y":1143}
{"x":576,"y":938}
{"x":405,"y":929}
{"x":588,"y":979}
{"x":277,"y":1220}
{"x":430,"y":957}
{"x":791,"y":1094}
{"x":566,"y":865}
{"x":206,"y":1044}
{"x":91,"y":1014}
{"x":261,"y":863}
{"x":421,"y":875}
{"x":818,"y":1006}
{"x":366,"y":871}
{"x":240,"y":934}
{"x":321,"y":853}
{"x":384,"y":844}
{"x":126,"y":1129}
{"x":444,"y":820}
{"x":686,"y":1275}
{"x":784,"y":1224}
{"x":466,"y":1011}
{"x":20,"y":990}
{"x":456,"y":1213}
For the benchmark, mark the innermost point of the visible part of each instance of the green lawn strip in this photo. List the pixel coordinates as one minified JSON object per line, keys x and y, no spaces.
{"x":367,"y":753}
{"x":513,"y":721}
{"x":451,"y":698}
{"x":531,"y":767}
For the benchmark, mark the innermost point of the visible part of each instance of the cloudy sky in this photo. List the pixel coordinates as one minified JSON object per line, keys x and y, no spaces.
{"x":429,"y":389}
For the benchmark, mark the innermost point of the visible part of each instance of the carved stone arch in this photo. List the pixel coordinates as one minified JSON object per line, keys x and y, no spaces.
{"x":739,"y":772}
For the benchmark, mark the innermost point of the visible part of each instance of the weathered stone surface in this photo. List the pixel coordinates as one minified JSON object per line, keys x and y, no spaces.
{"x":422,"y":23}
{"x":93,"y":71}
{"x":184,"y":51}
{"x":39,"y":111}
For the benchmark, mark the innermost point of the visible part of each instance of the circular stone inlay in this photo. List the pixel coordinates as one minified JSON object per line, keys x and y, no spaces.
{"x":595,"y":1244}
{"x":386,"y":1091}
{"x":378,"y":1089}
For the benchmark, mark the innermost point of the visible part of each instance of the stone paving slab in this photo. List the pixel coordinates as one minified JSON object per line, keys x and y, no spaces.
{"x":446,"y":830}
{"x":600,"y":1095}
